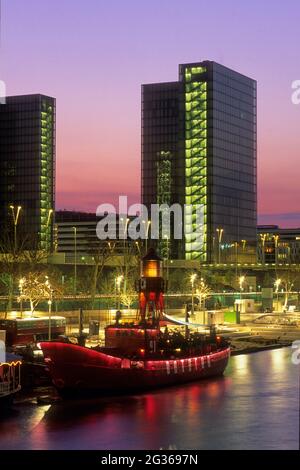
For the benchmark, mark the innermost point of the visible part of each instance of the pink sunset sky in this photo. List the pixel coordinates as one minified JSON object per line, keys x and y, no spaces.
{"x":94,"y":55}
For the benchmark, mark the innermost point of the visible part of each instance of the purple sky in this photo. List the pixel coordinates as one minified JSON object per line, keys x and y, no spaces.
{"x":93,"y":55}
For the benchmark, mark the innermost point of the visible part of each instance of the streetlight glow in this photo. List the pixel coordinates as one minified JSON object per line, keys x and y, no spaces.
{"x":193,"y":278}
{"x":220,"y":232}
{"x":75,"y":259}
{"x":277,"y":284}
{"x":49,"y":216}
{"x":118,"y":281}
{"x":15,"y":216}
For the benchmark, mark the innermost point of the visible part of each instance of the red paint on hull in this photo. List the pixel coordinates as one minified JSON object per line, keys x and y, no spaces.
{"x":82,"y":369}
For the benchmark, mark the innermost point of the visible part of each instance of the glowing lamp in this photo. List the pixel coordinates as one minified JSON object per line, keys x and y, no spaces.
{"x":151,"y":265}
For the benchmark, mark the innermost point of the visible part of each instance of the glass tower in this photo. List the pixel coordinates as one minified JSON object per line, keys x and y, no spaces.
{"x":206,"y":123}
{"x":27,"y":169}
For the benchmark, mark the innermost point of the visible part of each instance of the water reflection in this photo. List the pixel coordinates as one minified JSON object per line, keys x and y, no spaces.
{"x":278,"y":360}
{"x":241,"y":364}
{"x":255,"y":405}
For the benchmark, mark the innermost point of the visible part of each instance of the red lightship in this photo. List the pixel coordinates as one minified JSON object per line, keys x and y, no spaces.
{"x":138,"y":356}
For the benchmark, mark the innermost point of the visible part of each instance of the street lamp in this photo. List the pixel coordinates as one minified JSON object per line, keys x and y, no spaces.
{"x":75,"y":260}
{"x":49,"y":306}
{"x":193,"y":278}
{"x":138,"y":247}
{"x":263,"y":237}
{"x":118,"y":281}
{"x":236,"y":246}
{"x":241,"y":283}
{"x":125,"y":237}
{"x":21,"y":284}
{"x":48,"y":240}
{"x":15,"y":215}
{"x":50,"y":213}
{"x":276,"y":239}
{"x":167,"y":258}
{"x":220,"y":232}
{"x":277,"y":284}
{"x":147,"y":232}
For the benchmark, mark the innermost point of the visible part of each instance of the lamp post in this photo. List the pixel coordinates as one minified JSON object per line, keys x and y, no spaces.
{"x":138,"y":247}
{"x":202,"y":288}
{"x":288,"y":256}
{"x":193,"y":278}
{"x":124,"y":249}
{"x":244,"y":243}
{"x":277,"y":284}
{"x":21,"y":284}
{"x":236,"y":246}
{"x":49,"y":237}
{"x":263,"y":237}
{"x":118,"y":290}
{"x":48,"y":286}
{"x":75,"y":260}
{"x":147,"y":232}
{"x":276,"y":239}
{"x":50,"y":309}
{"x":241,"y":283}
{"x":220,"y":232}
{"x":15,"y":215}
{"x":50,"y":213}
{"x":167,"y":258}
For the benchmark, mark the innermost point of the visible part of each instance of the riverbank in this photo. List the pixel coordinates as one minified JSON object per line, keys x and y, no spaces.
{"x":255,"y":338}
{"x":247,"y":347}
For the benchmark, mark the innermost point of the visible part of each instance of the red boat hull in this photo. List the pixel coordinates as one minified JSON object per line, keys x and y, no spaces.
{"x":75,"y":368}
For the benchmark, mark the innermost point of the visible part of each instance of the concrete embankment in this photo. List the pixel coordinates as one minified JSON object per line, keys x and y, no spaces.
{"x":248,"y":347}
{"x":263,"y":337}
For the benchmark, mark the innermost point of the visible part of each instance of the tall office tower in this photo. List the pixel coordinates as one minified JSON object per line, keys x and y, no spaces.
{"x":199,"y":149}
{"x":27,"y":170}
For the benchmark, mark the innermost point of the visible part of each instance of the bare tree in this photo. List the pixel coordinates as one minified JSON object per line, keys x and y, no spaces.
{"x":36,"y":287}
{"x":286,"y":280}
{"x":36,"y":257}
{"x":128,"y":297}
{"x":101,"y":253}
{"x":202,"y":292}
{"x":11,"y":258}
{"x":129,"y":263}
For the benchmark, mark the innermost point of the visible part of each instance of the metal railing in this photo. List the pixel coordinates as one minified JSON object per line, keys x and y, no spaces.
{"x":4,"y":388}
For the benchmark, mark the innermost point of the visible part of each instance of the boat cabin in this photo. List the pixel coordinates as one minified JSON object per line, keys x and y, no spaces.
{"x":131,"y":340}
{"x":10,"y":375}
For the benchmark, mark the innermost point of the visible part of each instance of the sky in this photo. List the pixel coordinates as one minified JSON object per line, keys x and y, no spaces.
{"x":93,"y":56}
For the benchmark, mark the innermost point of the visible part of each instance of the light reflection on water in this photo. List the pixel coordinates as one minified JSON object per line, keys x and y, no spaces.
{"x":255,"y":405}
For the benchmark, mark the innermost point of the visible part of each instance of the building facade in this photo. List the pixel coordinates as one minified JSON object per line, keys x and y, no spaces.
{"x":277,"y":245}
{"x":76,"y":237}
{"x":199,"y":150}
{"x":27,"y":170}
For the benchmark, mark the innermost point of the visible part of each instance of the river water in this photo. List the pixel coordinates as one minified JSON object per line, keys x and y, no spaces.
{"x":254,"y":406}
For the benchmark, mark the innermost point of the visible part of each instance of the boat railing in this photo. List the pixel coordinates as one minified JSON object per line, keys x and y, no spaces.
{"x":4,"y":388}
{"x":9,"y":387}
{"x":10,"y":377}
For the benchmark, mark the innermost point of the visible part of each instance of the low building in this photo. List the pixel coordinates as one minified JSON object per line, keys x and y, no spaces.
{"x":278,"y":245}
{"x":75,"y":236}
